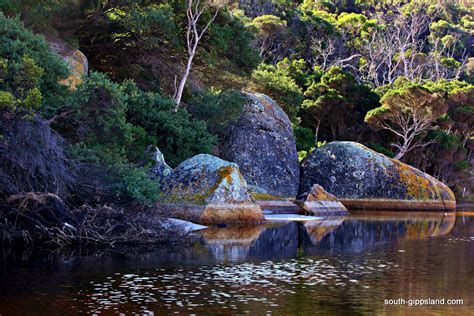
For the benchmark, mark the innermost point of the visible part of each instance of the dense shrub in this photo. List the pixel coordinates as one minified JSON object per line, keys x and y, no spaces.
{"x":280,"y":86}
{"x":177,"y":134}
{"x":29,"y":70}
{"x":218,"y":108}
{"x":304,"y":138}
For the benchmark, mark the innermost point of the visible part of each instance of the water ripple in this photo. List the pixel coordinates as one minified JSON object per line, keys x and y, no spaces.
{"x":226,"y":286}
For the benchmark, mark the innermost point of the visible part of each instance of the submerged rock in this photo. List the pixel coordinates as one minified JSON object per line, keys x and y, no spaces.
{"x":183,"y":225}
{"x":362,"y":178}
{"x":262,"y":143}
{"x":209,"y":190}
{"x":319,"y":202}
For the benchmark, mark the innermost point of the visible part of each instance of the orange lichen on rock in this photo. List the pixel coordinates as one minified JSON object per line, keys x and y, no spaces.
{"x":364,"y":179}
{"x":75,"y":59}
{"x":209,"y":190}
{"x":418,"y":186}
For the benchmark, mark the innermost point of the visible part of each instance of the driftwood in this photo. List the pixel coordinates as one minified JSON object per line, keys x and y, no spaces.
{"x":44,"y":218}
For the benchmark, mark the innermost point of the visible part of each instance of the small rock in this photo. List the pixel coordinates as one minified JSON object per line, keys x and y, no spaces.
{"x":160,"y":168}
{"x":320,"y":202}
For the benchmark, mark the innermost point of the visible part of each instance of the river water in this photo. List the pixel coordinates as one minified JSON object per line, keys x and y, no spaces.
{"x":346,"y":265}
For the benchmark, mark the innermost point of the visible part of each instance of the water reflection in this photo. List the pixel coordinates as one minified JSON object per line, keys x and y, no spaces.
{"x":356,"y":233}
{"x":344,"y":265}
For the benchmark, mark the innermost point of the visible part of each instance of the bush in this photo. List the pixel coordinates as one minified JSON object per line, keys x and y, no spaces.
{"x":111,"y":124}
{"x":280,"y":86}
{"x":30,"y":64}
{"x":218,"y":109}
{"x":177,"y":135}
{"x":135,"y":183}
{"x":304,"y":138}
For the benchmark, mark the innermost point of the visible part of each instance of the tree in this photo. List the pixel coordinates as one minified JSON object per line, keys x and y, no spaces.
{"x":408,"y":111}
{"x":337,"y":104}
{"x":276,"y":82}
{"x":271,"y":37}
{"x":194,"y":12}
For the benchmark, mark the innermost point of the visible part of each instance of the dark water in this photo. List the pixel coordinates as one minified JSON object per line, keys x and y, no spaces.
{"x":345,"y":265}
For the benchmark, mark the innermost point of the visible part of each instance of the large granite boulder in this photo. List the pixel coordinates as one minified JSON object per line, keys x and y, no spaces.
{"x":262,"y":143}
{"x":364,"y":179}
{"x":209,"y":190}
{"x":75,"y":59}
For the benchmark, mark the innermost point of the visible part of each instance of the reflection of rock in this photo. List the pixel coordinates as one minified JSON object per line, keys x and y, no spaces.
{"x":359,"y":233}
{"x":363,"y":178}
{"x":75,"y":59}
{"x":262,"y":143}
{"x":279,"y":241}
{"x":320,"y":202}
{"x":206,"y":190}
{"x":424,"y":229}
{"x":318,"y":229}
{"x":232,"y":242}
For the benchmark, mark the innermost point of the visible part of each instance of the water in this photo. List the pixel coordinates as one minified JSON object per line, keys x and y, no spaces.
{"x":346,"y":265}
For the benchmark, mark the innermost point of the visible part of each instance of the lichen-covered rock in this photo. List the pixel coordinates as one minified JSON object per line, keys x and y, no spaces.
{"x":75,"y":59}
{"x":262,"y":143}
{"x":209,"y":190}
{"x":319,"y":202}
{"x":362,"y":178}
{"x":160,"y":168}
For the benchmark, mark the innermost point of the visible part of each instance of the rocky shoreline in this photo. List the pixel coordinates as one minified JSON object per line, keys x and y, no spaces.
{"x":263,"y":174}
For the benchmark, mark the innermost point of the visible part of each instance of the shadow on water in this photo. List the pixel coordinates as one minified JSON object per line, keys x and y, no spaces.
{"x":330,"y":266}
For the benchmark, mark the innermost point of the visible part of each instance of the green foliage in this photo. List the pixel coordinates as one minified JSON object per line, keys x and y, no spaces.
{"x":113,"y":123}
{"x":7,"y":101}
{"x":235,"y":40}
{"x":447,"y":141}
{"x":304,"y":138}
{"x":218,"y":108}
{"x":99,"y":107}
{"x":176,"y":134}
{"x":150,"y":25}
{"x":337,"y":101}
{"x":278,"y":84}
{"x":135,"y":183}
{"x":28,"y":67}
{"x":381,"y":149}
{"x":20,"y":85}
